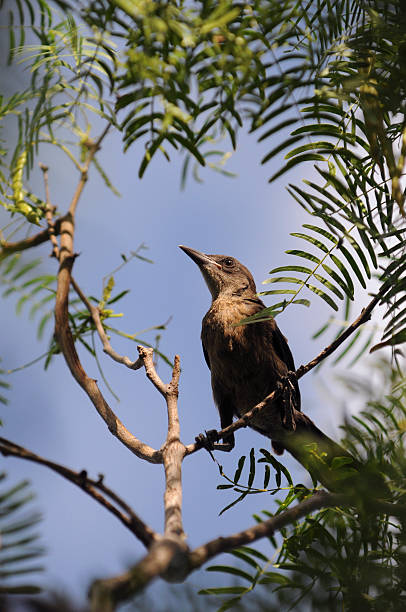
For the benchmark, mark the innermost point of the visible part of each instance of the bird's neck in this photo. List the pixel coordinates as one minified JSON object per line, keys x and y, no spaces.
{"x":231,"y":308}
{"x":244,"y":292}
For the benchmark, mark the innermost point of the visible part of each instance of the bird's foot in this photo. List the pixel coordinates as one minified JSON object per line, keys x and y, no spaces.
{"x":287,"y":389}
{"x":207,"y":441}
{"x":210,"y":442}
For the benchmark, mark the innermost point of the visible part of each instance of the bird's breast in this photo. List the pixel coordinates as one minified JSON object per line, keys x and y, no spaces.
{"x":242,"y":359}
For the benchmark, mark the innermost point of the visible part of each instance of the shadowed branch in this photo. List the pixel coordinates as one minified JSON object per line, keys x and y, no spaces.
{"x":92,"y":487}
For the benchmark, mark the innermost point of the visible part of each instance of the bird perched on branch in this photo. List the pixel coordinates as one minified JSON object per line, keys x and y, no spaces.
{"x":248,"y":362}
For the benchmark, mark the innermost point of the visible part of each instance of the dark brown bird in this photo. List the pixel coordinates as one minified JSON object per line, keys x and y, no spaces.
{"x":248,"y":361}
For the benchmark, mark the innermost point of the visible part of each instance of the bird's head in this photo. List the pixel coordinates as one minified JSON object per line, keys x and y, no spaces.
{"x":223,"y":274}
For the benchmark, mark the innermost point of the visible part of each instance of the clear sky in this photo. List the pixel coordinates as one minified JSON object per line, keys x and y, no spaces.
{"x":48,"y":413}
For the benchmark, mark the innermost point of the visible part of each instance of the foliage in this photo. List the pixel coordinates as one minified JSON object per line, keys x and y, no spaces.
{"x":338,"y":558}
{"x":18,"y":548}
{"x":176,"y":77}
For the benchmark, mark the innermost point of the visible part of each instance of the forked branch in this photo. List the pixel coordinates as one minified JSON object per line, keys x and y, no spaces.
{"x":173,"y":451}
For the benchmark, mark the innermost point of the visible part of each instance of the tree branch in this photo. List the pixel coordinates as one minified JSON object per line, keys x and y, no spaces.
{"x":163,"y":557}
{"x":8,"y":248}
{"x":363,"y":317}
{"x":320,"y":499}
{"x":169,"y":560}
{"x":94,"y":311}
{"x":173,"y":451}
{"x":49,"y":210}
{"x":142,"y":531}
{"x":166,"y":559}
{"x":146,"y":354}
{"x":63,"y":332}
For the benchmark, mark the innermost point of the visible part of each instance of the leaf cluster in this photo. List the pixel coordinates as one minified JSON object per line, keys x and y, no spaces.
{"x":343,"y":557}
{"x":177,"y":77}
{"x":19,"y":550}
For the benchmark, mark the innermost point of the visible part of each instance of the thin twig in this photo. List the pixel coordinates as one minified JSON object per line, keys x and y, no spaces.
{"x":8,"y":248}
{"x":142,"y":531}
{"x":363,"y":317}
{"x":94,"y":312}
{"x":146,"y":354}
{"x":93,"y":147}
{"x":49,"y":210}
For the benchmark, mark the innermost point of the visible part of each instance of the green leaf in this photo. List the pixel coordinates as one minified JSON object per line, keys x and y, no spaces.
{"x":295,"y":162}
{"x":239,"y":469}
{"x":312,"y":240}
{"x":280,"y":148}
{"x":323,"y":296}
{"x":329,"y":285}
{"x":251,"y":475}
{"x":353,"y":265}
{"x":234,"y":571}
{"x":291,"y":269}
{"x":274,"y":578}
{"x":239,"y":554}
{"x":304,"y":254}
{"x":234,"y":590}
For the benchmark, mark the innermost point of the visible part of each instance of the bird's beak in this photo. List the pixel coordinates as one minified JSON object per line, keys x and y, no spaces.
{"x":199,"y":258}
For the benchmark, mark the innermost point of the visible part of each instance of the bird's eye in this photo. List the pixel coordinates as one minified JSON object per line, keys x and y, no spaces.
{"x":228,"y":262}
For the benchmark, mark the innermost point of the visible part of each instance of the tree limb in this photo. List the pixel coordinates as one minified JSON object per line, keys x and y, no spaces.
{"x":362,"y":318}
{"x":320,"y":499}
{"x":63,"y":332}
{"x":94,"y":311}
{"x":166,"y":556}
{"x":92,"y":487}
{"x":173,"y":451}
{"x":49,"y":210}
{"x":8,"y":248}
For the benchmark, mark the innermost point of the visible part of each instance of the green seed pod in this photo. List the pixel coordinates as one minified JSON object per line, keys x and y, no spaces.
{"x":17,"y":182}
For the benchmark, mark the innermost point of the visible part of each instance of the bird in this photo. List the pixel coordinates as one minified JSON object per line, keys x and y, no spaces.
{"x":248,"y":362}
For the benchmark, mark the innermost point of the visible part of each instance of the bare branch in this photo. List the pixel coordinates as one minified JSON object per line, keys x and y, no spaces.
{"x":245,"y":420}
{"x":165,"y":558}
{"x":173,"y":451}
{"x":146,"y":355}
{"x":168,"y":560}
{"x":93,"y":147}
{"x":63,"y":332}
{"x":173,"y":454}
{"x":144,"y":533}
{"x":49,"y":210}
{"x":320,"y":499}
{"x":174,"y":562}
{"x":8,"y":248}
{"x":363,"y":317}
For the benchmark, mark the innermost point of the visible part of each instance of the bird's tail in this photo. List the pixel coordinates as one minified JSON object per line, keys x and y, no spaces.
{"x":328,"y":462}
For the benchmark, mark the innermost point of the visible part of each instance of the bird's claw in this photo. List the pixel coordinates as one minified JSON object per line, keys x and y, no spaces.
{"x":210,"y":442}
{"x":207,"y":441}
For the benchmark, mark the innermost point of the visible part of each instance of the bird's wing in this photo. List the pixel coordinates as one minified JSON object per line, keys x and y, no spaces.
{"x":206,"y":355}
{"x":284,"y":353}
{"x":282,"y":348}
